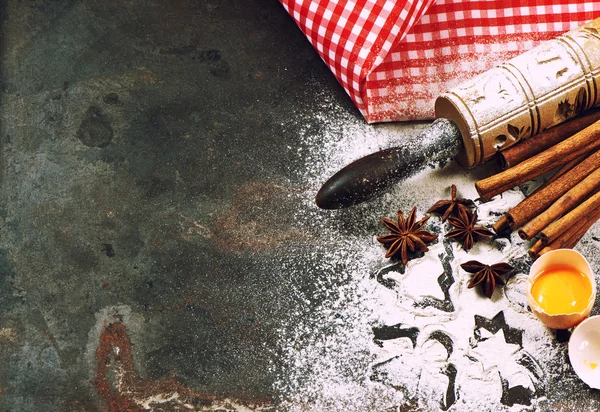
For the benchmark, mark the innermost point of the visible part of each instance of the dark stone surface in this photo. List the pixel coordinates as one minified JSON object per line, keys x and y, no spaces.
{"x":156,"y":230}
{"x":147,"y":177}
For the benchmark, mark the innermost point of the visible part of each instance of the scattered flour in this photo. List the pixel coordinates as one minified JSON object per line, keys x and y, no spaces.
{"x":333,"y":361}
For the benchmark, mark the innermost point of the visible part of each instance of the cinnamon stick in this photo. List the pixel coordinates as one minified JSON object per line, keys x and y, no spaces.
{"x":566,"y":240}
{"x":562,"y":205}
{"x":546,"y":139}
{"x":562,"y":170}
{"x":501,"y":225}
{"x":542,"y":199}
{"x":571,"y":237}
{"x":575,"y":217}
{"x":534,"y":251}
{"x":559,"y":154}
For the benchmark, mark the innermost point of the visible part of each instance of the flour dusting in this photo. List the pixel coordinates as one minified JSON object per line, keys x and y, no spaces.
{"x":389,"y":337}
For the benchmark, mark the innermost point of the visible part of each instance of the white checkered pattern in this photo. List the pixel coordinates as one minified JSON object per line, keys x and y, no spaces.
{"x":394,"y":57}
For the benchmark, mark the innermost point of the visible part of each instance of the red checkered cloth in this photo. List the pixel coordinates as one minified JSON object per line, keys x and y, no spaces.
{"x":395,"y":57}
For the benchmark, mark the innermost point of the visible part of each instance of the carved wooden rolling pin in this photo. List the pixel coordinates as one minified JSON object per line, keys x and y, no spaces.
{"x":542,"y":88}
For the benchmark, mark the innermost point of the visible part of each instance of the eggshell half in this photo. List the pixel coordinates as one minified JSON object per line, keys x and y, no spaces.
{"x":567,"y":257}
{"x":584,"y":351}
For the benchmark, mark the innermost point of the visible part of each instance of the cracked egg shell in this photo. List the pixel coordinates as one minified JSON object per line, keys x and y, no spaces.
{"x":584,"y":351}
{"x":556,"y":258}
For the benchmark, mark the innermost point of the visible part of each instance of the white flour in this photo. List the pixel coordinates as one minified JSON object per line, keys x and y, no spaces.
{"x":333,"y":362}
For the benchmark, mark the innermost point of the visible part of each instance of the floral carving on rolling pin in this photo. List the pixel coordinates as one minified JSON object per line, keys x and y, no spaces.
{"x":554,"y":65}
{"x":565,"y":109}
{"x":493,"y":91}
{"x":581,"y":101}
{"x":517,"y":133}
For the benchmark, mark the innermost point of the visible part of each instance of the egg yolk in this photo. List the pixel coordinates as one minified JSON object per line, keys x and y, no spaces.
{"x":562,"y":289}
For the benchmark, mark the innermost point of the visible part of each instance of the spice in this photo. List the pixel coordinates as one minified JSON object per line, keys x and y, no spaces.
{"x":571,"y":236}
{"x":562,"y":170}
{"x":446,"y":207}
{"x":582,"y":142}
{"x":486,"y":276}
{"x":329,"y":359}
{"x":406,"y":236}
{"x":465,"y":229}
{"x":562,"y":206}
{"x":579,"y":216}
{"x":534,"y":250}
{"x":542,"y":199}
{"x":527,"y":148}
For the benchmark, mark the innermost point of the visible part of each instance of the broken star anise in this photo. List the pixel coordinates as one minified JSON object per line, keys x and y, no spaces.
{"x":446,"y":207}
{"x":406,"y":235}
{"x":465,"y":229}
{"x":486,"y":276}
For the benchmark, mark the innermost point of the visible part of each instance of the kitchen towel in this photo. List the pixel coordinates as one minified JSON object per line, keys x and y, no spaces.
{"x":394,"y":58}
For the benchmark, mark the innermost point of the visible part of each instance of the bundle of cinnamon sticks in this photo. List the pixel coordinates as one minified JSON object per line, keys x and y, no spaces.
{"x":559,"y":212}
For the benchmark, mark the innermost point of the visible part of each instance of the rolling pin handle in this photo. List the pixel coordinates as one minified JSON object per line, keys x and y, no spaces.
{"x":376,"y":173}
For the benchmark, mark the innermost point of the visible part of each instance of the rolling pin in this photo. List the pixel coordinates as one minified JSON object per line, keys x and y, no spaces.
{"x":535,"y":91}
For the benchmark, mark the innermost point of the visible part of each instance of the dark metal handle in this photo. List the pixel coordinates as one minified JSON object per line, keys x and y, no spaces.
{"x":376,"y":173}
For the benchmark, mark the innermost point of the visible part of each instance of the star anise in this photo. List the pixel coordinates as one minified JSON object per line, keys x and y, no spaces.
{"x":465,"y":229}
{"x":406,"y":235}
{"x":486,"y":276}
{"x":446,"y":207}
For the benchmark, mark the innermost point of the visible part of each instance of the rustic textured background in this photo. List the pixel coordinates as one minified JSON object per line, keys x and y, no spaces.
{"x":157,"y":230}
{"x":147,"y":179}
